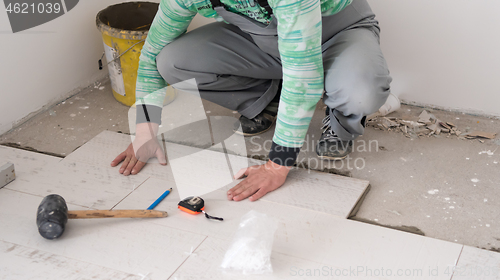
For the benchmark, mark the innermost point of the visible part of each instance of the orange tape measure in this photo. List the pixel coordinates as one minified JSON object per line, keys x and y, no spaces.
{"x":195,"y":205}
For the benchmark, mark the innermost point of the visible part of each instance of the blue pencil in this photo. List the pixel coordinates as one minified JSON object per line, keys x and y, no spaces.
{"x":159,"y":199}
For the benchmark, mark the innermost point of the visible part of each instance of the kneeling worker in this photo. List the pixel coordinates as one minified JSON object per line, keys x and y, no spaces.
{"x":258,"y":55}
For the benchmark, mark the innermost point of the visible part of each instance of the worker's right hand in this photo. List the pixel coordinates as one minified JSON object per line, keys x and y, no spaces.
{"x":135,"y":157}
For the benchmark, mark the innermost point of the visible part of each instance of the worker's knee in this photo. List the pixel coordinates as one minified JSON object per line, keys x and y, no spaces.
{"x":367,"y":98}
{"x":166,"y":62}
{"x":361,"y":93}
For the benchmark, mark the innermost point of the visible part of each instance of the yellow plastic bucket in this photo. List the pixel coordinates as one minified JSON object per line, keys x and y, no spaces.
{"x":124,"y":28}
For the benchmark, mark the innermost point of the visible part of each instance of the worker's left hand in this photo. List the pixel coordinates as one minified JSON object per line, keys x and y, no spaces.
{"x":260,"y":179}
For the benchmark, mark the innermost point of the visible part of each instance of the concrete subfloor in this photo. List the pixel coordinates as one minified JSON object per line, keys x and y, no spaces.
{"x":440,"y":186}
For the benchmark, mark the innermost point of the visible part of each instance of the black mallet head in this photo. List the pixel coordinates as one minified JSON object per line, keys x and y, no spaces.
{"x":52,"y":216}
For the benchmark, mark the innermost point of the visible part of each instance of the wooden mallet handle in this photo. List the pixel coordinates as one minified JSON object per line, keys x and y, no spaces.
{"x":89,"y":214}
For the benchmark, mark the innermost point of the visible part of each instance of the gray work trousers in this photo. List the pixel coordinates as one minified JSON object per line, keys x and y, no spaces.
{"x":235,"y":69}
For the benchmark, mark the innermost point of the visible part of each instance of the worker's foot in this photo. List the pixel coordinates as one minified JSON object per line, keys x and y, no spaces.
{"x":330,"y":146}
{"x":263,"y":121}
{"x":258,"y":125}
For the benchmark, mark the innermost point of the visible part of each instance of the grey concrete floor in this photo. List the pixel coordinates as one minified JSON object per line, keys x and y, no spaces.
{"x":440,"y":186}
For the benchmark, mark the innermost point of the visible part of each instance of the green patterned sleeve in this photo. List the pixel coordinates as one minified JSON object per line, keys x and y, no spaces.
{"x":171,"y":20}
{"x":299,"y":39}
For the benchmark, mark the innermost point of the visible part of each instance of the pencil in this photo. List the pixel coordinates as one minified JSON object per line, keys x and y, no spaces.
{"x":159,"y":199}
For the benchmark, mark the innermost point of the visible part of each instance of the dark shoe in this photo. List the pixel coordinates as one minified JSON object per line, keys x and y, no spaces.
{"x":330,"y":146}
{"x":258,"y":125}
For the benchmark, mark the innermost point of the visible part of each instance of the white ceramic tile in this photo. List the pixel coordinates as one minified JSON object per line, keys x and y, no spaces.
{"x":477,"y":264}
{"x":204,"y":263}
{"x":79,"y":183}
{"x":101,"y":149}
{"x":196,"y":171}
{"x":21,"y":262}
{"x":26,"y":162}
{"x":374,"y":249}
{"x":238,"y":162}
{"x":309,"y":189}
{"x":323,"y":192}
{"x":148,"y":192}
{"x":356,"y":251}
{"x":105,"y":147}
{"x":130,"y":245}
{"x":345,"y":244}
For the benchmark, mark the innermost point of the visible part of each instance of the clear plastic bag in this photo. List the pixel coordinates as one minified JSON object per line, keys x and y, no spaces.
{"x":250,"y":250}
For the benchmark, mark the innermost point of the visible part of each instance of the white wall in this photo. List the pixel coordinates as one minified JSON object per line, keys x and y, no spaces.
{"x":444,"y":53}
{"x":44,"y":64}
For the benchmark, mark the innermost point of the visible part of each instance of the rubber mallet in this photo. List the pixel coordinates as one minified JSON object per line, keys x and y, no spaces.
{"x":53,"y":214}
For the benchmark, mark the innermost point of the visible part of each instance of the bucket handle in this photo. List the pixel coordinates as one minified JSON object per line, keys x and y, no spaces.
{"x":100,"y":60}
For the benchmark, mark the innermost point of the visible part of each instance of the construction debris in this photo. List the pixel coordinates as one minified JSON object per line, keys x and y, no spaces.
{"x":480,"y":134}
{"x":424,"y":117}
{"x":427,"y":125}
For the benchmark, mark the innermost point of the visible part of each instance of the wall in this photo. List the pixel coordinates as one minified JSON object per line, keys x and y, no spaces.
{"x":445,"y":53}
{"x":47,"y":63}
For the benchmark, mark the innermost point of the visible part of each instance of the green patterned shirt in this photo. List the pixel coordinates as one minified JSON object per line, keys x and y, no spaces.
{"x":299,"y":38}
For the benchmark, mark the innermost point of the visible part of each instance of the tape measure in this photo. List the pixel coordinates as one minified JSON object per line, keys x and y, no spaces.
{"x":195,"y":205}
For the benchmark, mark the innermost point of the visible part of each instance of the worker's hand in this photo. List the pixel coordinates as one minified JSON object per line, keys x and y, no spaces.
{"x":260,"y":180}
{"x":144,"y":147}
